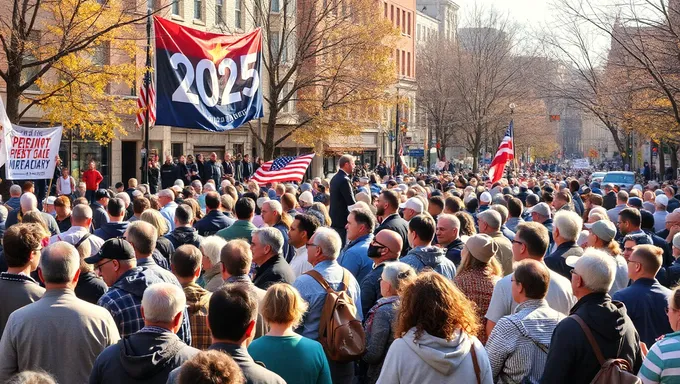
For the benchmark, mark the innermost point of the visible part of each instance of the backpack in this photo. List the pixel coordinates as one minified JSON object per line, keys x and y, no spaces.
{"x":340,"y":333}
{"x":613,"y":371}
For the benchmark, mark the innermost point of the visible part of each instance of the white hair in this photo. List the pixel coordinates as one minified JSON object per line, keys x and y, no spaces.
{"x":271,"y":237}
{"x":209,"y":187}
{"x":597,"y":270}
{"x":59,"y":262}
{"x":137,"y":193}
{"x":569,"y":224}
{"x":28,"y":202}
{"x":211,"y":247}
{"x":274,"y":205}
{"x":15,"y":190}
{"x":597,"y":209}
{"x":179,"y":183}
{"x":166,"y":193}
{"x":82,"y":184}
{"x":491,"y":217}
{"x":455,"y":222}
{"x":329,"y":242}
{"x":161,"y":302}
{"x":125,"y":197}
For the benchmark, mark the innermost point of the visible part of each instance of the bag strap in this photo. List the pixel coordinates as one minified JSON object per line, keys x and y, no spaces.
{"x":345,"y":280}
{"x":540,"y":346}
{"x":475,"y":363}
{"x":590,"y":337}
{"x":319,"y":279}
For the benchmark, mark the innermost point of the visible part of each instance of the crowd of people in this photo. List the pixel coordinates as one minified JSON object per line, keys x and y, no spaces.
{"x":361,"y":278}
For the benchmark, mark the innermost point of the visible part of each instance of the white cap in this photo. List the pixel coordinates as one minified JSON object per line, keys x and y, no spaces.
{"x":306,"y":197}
{"x":358,"y":204}
{"x":413,"y":203}
{"x":661,"y":200}
{"x":485,"y":197}
{"x":403,"y":187}
{"x":50,"y":200}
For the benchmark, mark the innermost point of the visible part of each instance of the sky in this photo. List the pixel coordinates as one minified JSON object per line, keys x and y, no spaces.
{"x":532,"y":13}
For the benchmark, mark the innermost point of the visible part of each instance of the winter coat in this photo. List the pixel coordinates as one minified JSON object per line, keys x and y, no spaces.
{"x":433,"y":257}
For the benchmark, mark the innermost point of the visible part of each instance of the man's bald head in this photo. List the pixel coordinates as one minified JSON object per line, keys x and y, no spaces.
{"x":391,"y":240}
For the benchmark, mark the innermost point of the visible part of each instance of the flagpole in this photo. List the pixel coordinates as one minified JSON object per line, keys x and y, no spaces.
{"x":512,"y":136}
{"x":147,"y":83}
{"x":397,"y":158}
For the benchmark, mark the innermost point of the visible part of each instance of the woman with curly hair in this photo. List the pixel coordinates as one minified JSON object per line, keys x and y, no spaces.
{"x":434,"y":340}
{"x":467,"y":225}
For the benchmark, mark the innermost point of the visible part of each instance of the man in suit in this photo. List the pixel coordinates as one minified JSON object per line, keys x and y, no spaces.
{"x":388,"y":206}
{"x":342,"y":195}
{"x":609,"y":200}
{"x":247,"y":167}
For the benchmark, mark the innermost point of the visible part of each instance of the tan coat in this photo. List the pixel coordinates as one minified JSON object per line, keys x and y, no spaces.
{"x":504,"y":255}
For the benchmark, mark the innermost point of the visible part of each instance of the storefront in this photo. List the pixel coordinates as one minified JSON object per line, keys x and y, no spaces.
{"x":76,"y":153}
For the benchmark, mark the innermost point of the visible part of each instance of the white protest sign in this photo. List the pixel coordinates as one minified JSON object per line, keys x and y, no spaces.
{"x":31,"y":152}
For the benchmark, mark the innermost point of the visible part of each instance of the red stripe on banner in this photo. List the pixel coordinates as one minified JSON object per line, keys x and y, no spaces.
{"x":293,"y":171}
{"x":194,"y":43}
{"x":500,"y":160}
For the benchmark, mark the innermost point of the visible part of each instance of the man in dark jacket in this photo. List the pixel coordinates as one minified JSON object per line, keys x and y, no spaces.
{"x":272,"y":268}
{"x":571,"y":358}
{"x":227,"y":167}
{"x":388,"y":205}
{"x":154,"y":175}
{"x":149,"y":355}
{"x":247,"y":169}
{"x":169,"y":173}
{"x":28,"y":202}
{"x":231,"y":334}
{"x":213,"y":169}
{"x":183,"y":170}
{"x":609,"y":199}
{"x":385,"y":247}
{"x":116,"y":226}
{"x":99,"y":214}
{"x":342,"y":196}
{"x":215,"y":219}
{"x":565,"y":233}
{"x":184,"y":233}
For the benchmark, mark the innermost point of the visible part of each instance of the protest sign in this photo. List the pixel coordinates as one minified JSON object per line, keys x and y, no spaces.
{"x":31,"y":152}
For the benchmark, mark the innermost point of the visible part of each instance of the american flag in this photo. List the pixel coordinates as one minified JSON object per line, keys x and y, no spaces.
{"x":505,"y":153}
{"x":285,"y":168}
{"x":141,"y":104}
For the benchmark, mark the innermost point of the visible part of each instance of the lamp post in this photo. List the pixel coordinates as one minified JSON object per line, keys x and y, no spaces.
{"x":397,"y":158}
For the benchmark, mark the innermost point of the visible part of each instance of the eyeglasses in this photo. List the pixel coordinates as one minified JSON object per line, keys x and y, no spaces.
{"x":517,"y":242}
{"x":98,"y":268}
{"x":573,"y":272}
{"x":633,"y":261}
{"x":311,"y":245}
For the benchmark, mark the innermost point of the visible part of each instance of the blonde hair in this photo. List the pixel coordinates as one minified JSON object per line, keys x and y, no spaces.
{"x":282,"y":304}
{"x":155,"y":218}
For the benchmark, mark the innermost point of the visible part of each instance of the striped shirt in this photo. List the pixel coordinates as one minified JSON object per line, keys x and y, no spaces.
{"x":662,"y":364}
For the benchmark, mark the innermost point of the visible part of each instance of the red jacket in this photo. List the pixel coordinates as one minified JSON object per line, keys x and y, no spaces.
{"x":92,"y":178}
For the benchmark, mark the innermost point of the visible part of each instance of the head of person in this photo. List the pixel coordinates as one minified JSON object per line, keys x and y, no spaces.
{"x":15,"y":190}
{"x":165,"y":197}
{"x":644,"y":262}
{"x":489,"y":221}
{"x":288,"y":202}
{"x":266,"y":243}
{"x":540,"y":212}
{"x":447,"y":229}
{"x":561,"y":199}
{"x":48,"y":205}
{"x":184,"y":216}
{"x":236,"y":258}
{"x":386,"y":245}
{"x":435,"y":205}
{"x":676,"y":245}
{"x":479,"y":254}
{"x":622,"y":198}
{"x":453,"y":204}
{"x":515,"y":207}
{"x":271,"y":212}
{"x":62,"y":205}
{"x":346,"y":163}
{"x":674,"y":309}
{"x":186,"y":263}
{"x":593,"y":272}
{"x":669,"y":191}
{"x":629,"y":220}
{"x":211,"y":247}
{"x":142,"y":236}
{"x":116,"y":209}
{"x":32,"y":377}
{"x":530,"y":281}
{"x":22,"y":245}
{"x":282,"y":304}
{"x":125,"y":197}
{"x":210,"y":367}
{"x":139,"y":205}
{"x":421,"y":230}
{"x":325,"y":245}
{"x":302,"y":229}
{"x":59,"y":265}
{"x":395,"y":278}
{"x":360,"y":222}
{"x":240,"y":303}
{"x":567,"y":227}
{"x":601,"y":236}
{"x":244,"y":208}
{"x":453,"y":312}
{"x":155,"y":218}
{"x":115,"y":257}
{"x":531,"y":241}
{"x":412,"y":207}
{"x":28,"y":202}
{"x":119,"y":187}
{"x":163,"y":306}
{"x":387,"y":203}
{"x":91,"y":165}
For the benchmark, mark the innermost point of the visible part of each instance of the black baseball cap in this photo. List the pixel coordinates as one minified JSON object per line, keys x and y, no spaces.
{"x":114,"y":249}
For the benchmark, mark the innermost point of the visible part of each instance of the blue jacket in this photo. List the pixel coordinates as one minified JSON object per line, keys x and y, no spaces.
{"x":213,"y":222}
{"x":646,"y":302}
{"x":453,"y":251}
{"x":111,"y":230}
{"x":288,"y":250}
{"x":557,"y":260}
{"x":433,"y":257}
{"x":354,"y":257}
{"x":184,"y":235}
{"x":370,"y":288}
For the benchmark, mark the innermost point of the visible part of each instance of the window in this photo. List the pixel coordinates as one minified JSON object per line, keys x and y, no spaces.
{"x":408,"y":25}
{"x":274,"y":44}
{"x":177,"y":150}
{"x":27,"y":73}
{"x":398,"y":18}
{"x":100,"y":55}
{"x":275,"y":6}
{"x":385,"y":6}
{"x":198,"y":11}
{"x":219,"y":11}
{"x":290,"y":106}
{"x":176,"y":7}
{"x":237,"y":14}
{"x":403,"y":21}
{"x":392,"y":13}
{"x":408,"y":64}
{"x":398,"y":62}
{"x":403,"y":62}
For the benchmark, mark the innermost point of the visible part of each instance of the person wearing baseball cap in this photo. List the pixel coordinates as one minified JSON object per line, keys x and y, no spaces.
{"x":484,"y":201}
{"x":413,"y":206}
{"x":601,"y":236}
{"x":541,"y":213}
{"x":660,"y":212}
{"x":673,"y":271}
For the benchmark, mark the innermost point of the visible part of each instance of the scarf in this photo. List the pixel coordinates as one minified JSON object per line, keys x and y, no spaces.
{"x":371,"y":313}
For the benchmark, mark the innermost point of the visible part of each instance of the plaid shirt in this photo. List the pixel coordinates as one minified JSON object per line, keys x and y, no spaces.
{"x":197,"y":303}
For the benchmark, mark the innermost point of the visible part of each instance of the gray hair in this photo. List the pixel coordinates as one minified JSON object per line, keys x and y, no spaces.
{"x":491,"y":217}
{"x":328,"y":241}
{"x":455,"y":222}
{"x":197,"y":185}
{"x":59,"y":263}
{"x":15,"y":190}
{"x":208,"y":187}
{"x":211,"y":247}
{"x":271,"y":237}
{"x":502,"y":210}
{"x":81,"y":213}
{"x":142,"y":236}
{"x":161,"y":302}
{"x":344,"y":159}
{"x":125,"y":197}
{"x":274,"y":205}
{"x":597,"y":270}
{"x":3,"y":213}
{"x":166,"y":193}
{"x":28,"y":202}
{"x":395,"y":271}
{"x":569,"y":224}
{"x":37,"y":377}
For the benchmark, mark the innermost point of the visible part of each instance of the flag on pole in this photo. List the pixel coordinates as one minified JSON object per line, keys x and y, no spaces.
{"x":505,"y":153}
{"x":285,"y":168}
{"x":5,"y":131}
{"x":141,"y":103}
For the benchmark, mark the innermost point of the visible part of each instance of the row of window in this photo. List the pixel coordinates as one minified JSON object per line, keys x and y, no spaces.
{"x":403,"y":60}
{"x":199,"y":11}
{"x":401,"y":18}
{"x":423,"y":33}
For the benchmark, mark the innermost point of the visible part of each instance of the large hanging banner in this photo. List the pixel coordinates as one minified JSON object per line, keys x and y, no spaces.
{"x":207,"y":80}
{"x":31,"y":152}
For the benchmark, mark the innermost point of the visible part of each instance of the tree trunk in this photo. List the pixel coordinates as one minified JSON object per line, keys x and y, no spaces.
{"x":673,"y":149}
{"x":621,"y":146}
{"x":13,"y":94}
{"x":661,"y":171}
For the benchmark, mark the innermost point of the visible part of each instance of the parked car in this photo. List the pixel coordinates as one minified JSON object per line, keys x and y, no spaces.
{"x":597,"y":176}
{"x":624,"y":179}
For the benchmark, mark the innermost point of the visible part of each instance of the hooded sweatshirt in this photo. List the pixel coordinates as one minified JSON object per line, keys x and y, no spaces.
{"x":111,"y":230}
{"x":433,"y":257}
{"x":430,"y":359}
{"x":184,"y":235}
{"x":147,"y":356}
